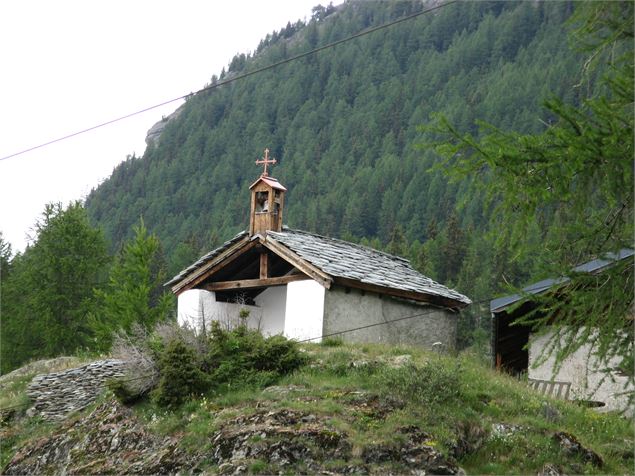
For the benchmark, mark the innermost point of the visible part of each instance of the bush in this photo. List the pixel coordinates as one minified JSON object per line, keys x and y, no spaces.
{"x":429,"y":384}
{"x":122,"y":391}
{"x":177,"y":363}
{"x":142,"y":369}
{"x":180,"y":375}
{"x":332,"y":342}
{"x":245,"y":356}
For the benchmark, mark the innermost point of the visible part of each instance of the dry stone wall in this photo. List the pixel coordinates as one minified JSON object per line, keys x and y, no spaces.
{"x":55,"y":395}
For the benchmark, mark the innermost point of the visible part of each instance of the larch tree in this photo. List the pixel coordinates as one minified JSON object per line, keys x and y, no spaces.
{"x":135,"y":293}
{"x":574,"y":179}
{"x":49,"y":291}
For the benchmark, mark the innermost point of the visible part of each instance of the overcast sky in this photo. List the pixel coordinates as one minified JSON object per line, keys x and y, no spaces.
{"x":68,"y":65}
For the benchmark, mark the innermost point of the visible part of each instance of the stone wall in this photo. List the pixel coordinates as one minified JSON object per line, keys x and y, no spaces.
{"x":350,"y":308}
{"x":55,"y":395}
{"x":591,"y":380}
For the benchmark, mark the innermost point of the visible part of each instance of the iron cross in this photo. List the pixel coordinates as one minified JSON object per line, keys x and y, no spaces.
{"x":266,"y":161}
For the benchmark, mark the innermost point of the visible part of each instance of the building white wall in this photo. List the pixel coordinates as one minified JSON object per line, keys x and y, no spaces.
{"x":198,"y":308}
{"x":589,"y":380}
{"x":188,"y":312}
{"x":304,"y":314}
{"x":271,"y":305}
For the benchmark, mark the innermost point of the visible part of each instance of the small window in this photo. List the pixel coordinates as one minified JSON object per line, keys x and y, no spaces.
{"x":262,"y":202}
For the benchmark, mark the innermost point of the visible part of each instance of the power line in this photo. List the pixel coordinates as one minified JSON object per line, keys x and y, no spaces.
{"x":381,"y":323}
{"x":236,"y":78}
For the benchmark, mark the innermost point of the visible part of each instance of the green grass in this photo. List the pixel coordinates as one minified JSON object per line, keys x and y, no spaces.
{"x":449,"y":398}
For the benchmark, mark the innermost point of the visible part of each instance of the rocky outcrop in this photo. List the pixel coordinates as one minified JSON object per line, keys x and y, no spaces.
{"x":573,"y":448}
{"x":153,"y":134}
{"x":298,"y":442}
{"x":55,"y":395}
{"x":110,"y":440}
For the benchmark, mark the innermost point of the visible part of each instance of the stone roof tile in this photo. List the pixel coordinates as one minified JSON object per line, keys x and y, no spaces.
{"x":343,"y":259}
{"x":205,"y":259}
{"x":352,"y":261}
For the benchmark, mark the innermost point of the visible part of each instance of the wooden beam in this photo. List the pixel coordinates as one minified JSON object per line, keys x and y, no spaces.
{"x":304,"y":266}
{"x":254,"y":283}
{"x":264,"y":265}
{"x":401,"y":293}
{"x":215,"y":265}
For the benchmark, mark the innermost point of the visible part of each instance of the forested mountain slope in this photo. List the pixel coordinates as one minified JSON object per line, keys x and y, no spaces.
{"x":345,"y":127}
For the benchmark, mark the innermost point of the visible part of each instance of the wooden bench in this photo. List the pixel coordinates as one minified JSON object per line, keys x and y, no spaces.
{"x":551,"y":388}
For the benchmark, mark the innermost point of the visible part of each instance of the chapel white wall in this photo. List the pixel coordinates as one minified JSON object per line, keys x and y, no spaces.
{"x":198,"y":308}
{"x":271,"y":306}
{"x":304,"y":313}
{"x":589,"y":379}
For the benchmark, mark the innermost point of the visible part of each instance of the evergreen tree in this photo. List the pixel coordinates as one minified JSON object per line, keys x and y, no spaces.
{"x":47,"y":295}
{"x":5,"y":258}
{"x":135,"y":293}
{"x":576,"y":176}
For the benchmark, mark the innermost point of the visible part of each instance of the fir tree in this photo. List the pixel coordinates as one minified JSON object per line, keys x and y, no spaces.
{"x":47,"y":295}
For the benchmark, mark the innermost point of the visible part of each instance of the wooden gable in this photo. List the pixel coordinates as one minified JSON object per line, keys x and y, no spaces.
{"x":249,"y":267}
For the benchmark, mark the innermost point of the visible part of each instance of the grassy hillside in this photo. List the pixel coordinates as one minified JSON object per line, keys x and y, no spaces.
{"x":351,"y":408}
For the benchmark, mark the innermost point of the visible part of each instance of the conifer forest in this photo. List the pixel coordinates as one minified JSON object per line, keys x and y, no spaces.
{"x":373,"y":139}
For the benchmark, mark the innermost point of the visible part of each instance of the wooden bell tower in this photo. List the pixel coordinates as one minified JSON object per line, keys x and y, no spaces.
{"x":267,"y":201}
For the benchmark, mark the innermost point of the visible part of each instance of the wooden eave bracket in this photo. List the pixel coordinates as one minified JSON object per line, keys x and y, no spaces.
{"x":222,"y":260}
{"x":254,"y":283}
{"x":439,"y":301}
{"x":307,"y":268}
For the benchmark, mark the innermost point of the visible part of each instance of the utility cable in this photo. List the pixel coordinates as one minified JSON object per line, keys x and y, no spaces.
{"x":380,"y":323}
{"x":236,"y":78}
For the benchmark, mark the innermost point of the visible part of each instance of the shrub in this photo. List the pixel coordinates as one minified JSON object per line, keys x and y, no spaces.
{"x":430,"y":384}
{"x":180,"y":375}
{"x":177,"y":362}
{"x":245,"y":356}
{"x":122,"y":391}
{"x":142,"y":369}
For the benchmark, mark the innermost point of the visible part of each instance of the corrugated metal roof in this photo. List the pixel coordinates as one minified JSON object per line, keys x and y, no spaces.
{"x":592,"y":266}
{"x":351,"y":261}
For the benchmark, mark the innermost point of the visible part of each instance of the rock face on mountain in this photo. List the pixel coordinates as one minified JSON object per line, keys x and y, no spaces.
{"x":153,"y":134}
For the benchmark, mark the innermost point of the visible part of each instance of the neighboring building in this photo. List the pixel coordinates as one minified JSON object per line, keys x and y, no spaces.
{"x":517,"y":351}
{"x":306,"y":286}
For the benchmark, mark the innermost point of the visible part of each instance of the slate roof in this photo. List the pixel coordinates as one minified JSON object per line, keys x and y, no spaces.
{"x":593,"y":266}
{"x":206,"y":258}
{"x":343,"y":259}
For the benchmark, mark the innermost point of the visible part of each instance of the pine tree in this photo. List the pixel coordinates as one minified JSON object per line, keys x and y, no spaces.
{"x":5,"y":258}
